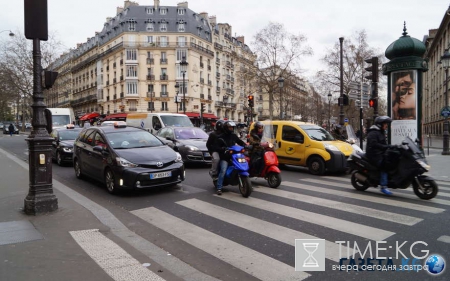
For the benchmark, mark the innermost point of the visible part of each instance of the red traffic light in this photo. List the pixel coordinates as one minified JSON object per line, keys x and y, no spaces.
{"x":372,"y":102}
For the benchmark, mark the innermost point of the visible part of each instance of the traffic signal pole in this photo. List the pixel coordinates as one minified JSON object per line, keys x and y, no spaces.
{"x":341,"y":97}
{"x":373,"y":69}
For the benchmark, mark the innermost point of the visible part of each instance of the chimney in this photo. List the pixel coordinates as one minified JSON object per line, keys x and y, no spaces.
{"x":78,"y":45}
{"x":119,"y":10}
{"x":240,"y":39}
{"x":108,"y":19}
{"x":156,"y":4}
{"x":204,"y":15}
{"x":128,"y":3}
{"x":183,"y":4}
{"x":213,"y":20}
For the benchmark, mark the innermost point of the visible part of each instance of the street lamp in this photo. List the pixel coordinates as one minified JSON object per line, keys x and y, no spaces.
{"x":445,"y":60}
{"x":280,"y":85}
{"x":177,"y":87}
{"x":341,"y":97}
{"x":10,"y":32}
{"x":330,"y":96}
{"x":183,"y":65}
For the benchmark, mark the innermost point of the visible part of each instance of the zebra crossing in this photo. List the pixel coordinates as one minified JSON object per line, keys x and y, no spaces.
{"x":307,"y":192}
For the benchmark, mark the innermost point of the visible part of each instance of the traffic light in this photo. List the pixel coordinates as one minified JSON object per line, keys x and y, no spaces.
{"x":344,"y":100}
{"x":48,"y":78}
{"x":250,"y":101}
{"x":372,"y":69}
{"x":202,"y":107}
{"x":373,"y":103}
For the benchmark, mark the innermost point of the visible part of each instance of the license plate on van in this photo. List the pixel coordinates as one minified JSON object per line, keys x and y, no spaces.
{"x":160,"y":175}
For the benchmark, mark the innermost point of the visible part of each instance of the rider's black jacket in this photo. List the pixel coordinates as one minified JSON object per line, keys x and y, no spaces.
{"x":376,"y":145}
{"x":227,"y":140}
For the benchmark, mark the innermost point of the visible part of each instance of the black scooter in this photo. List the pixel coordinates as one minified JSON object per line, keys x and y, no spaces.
{"x":406,"y":164}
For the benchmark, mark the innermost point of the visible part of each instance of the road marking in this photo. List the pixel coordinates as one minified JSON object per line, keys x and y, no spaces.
{"x":271,"y":230}
{"x":366,"y":197}
{"x":333,"y":204}
{"x":229,"y":251}
{"x":115,"y":261}
{"x":310,"y":217}
{"x":444,"y":238}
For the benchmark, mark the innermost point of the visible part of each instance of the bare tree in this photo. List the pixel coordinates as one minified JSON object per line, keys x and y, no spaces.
{"x":278,"y":53}
{"x":16,"y":62}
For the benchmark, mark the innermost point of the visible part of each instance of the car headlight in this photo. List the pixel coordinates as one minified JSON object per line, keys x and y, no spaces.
{"x":125,"y":163}
{"x":179,"y":159}
{"x":424,"y":165}
{"x":331,"y":147}
{"x":191,"y":147}
{"x":67,"y":149}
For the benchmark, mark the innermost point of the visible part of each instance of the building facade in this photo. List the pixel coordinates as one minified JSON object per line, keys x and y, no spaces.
{"x":135,"y":65}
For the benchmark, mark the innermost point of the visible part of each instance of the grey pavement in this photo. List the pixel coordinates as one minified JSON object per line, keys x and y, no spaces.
{"x":46,"y":247}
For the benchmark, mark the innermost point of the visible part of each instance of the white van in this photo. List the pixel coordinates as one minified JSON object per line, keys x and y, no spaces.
{"x":155,"y":121}
{"x":62,"y":116}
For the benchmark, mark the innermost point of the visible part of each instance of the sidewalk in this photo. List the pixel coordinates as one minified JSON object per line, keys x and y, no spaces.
{"x":64,"y":244}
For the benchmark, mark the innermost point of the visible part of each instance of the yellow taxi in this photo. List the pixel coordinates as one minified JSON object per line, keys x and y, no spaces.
{"x":308,"y":145}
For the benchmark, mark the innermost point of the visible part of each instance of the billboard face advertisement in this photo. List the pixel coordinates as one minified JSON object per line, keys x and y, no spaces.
{"x":404,"y":105}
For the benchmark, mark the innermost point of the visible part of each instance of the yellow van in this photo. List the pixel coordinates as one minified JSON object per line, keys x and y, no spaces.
{"x":307,"y":145}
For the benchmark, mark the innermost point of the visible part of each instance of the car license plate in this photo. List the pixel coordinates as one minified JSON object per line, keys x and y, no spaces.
{"x":160,"y":175}
{"x":206,"y":154}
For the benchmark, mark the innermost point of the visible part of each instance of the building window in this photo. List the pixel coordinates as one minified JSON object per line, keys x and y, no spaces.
{"x":149,"y":39}
{"x":131,"y":71}
{"x":163,"y":41}
{"x":164,"y":106}
{"x":151,"y":105}
{"x":181,"y":11}
{"x":131,"y":54}
{"x":181,"y":41}
{"x":181,"y":53}
{"x":181,"y":27}
{"x":132,"y":88}
{"x":150,"y":26}
{"x":149,"y":10}
{"x":163,"y":11}
{"x":163,"y":89}
{"x":163,"y":27}
{"x":131,"y":26}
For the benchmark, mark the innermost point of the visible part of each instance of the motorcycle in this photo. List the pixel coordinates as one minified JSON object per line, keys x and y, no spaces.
{"x":270,"y":172}
{"x":406,"y":164}
{"x":237,"y":171}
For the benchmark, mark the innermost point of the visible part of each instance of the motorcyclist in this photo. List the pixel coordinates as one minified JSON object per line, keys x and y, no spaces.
{"x":256,"y":151}
{"x":376,"y":146}
{"x":214,"y":147}
{"x":226,"y":139}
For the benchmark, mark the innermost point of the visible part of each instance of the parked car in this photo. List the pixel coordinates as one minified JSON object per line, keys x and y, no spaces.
{"x":28,"y":126}
{"x":62,"y":146}
{"x":190,"y":142}
{"x":126,"y":158}
{"x":6,"y":129}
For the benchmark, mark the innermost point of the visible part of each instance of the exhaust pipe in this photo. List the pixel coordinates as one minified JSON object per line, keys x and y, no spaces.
{"x":360,"y":177}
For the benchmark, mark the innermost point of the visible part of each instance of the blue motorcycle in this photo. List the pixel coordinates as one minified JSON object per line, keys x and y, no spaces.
{"x":237,"y":171}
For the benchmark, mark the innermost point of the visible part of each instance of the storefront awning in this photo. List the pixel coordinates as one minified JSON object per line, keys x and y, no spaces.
{"x":197,"y":115}
{"x":89,"y":116}
{"x":116,"y":117}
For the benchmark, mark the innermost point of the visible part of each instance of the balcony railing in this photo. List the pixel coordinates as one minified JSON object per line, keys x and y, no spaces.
{"x":150,"y":94}
{"x":164,"y":94}
{"x":209,"y":82}
{"x":163,"y":77}
{"x":209,"y":67}
{"x":163,"y":61}
{"x":150,"y":77}
{"x":150,"y":61}
{"x":132,"y":109}
{"x":202,"y":80}
{"x":201,"y":64}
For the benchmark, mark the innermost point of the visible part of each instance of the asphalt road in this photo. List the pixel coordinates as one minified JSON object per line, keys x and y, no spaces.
{"x":224,"y":235}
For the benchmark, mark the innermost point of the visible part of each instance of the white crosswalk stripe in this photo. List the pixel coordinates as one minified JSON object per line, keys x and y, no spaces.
{"x":274,"y":231}
{"x":364,"y":211}
{"x":403,"y":195}
{"x":231,"y":252}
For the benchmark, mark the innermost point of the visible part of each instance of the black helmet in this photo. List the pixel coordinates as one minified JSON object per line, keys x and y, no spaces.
{"x":259,"y":125}
{"x":229,"y":127}
{"x":382,"y":119}
{"x":219,"y":125}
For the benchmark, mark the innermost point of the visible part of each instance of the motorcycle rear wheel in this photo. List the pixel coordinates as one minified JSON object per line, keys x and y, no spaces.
{"x":357,"y":184}
{"x":274,"y":179}
{"x":426,"y":189}
{"x":245,"y":186}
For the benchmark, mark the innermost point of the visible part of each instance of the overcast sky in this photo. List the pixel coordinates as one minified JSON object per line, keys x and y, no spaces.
{"x":321,"y":21}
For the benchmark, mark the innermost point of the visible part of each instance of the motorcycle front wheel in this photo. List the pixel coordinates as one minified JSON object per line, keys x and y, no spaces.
{"x":245,"y":186}
{"x":274,"y":179}
{"x":361,"y":186}
{"x":425,"y":189}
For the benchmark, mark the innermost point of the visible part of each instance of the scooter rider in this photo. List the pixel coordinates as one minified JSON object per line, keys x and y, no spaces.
{"x":214,"y":147}
{"x":376,"y":146}
{"x":256,"y":151}
{"x":227,"y":139}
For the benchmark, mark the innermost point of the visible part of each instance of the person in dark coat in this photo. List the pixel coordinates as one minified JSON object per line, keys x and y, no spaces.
{"x":256,"y":152}
{"x":376,"y":146}
{"x":226,"y":139}
{"x":213,"y":147}
{"x":11,"y":129}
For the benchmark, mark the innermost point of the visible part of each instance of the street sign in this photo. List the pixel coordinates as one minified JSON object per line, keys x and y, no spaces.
{"x":345,"y":120}
{"x":445,"y":111}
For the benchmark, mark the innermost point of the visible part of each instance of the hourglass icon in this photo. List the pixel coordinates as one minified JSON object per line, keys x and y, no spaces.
{"x":310,"y":261}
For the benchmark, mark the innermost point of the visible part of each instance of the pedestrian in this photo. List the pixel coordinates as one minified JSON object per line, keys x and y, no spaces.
{"x":213,"y":148}
{"x":11,"y":129}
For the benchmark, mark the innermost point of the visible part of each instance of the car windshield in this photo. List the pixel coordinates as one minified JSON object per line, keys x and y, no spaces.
{"x":60,"y":120}
{"x":133,"y":139}
{"x":317,"y":133}
{"x":178,"y":121}
{"x":68,"y":134}
{"x":190,"y":133}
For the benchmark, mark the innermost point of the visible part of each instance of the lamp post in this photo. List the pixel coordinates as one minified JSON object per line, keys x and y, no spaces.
{"x":177,"y":87}
{"x":280,"y":85}
{"x":445,"y":60}
{"x":10,"y":32}
{"x":183,"y":65}
{"x":330,"y":96}
{"x":341,"y":97}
